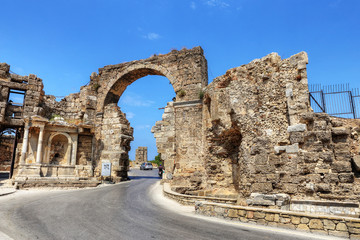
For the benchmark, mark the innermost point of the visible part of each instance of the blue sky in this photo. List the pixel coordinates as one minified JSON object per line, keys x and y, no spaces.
{"x":63,"y":42}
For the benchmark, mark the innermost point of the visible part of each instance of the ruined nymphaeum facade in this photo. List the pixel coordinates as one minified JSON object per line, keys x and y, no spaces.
{"x":250,"y":134}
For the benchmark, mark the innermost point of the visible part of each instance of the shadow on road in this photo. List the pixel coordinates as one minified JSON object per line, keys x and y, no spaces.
{"x":145,"y":177}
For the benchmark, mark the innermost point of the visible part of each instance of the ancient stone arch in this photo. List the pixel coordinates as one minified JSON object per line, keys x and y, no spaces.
{"x":117,"y":85}
{"x":187,"y":72}
{"x":185,"y":69}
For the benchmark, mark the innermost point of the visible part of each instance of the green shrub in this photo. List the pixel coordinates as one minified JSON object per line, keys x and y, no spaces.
{"x":181,"y":93}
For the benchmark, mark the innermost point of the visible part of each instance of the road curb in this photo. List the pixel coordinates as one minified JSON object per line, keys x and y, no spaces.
{"x":4,"y":192}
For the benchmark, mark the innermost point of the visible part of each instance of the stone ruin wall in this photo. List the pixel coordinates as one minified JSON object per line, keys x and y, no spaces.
{"x":249,"y":110}
{"x":141,"y":155}
{"x":259,"y":135}
{"x":6,"y":148}
{"x":164,"y":132}
{"x":115,"y":142}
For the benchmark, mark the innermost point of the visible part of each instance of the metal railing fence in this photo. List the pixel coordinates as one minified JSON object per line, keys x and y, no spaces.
{"x":335,"y":100}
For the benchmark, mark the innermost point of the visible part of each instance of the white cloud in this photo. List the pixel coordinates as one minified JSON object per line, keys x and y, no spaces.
{"x":135,"y":101}
{"x":193,"y":5}
{"x":141,"y":127}
{"x":130,"y":115}
{"x":217,"y":3}
{"x":152,"y":36}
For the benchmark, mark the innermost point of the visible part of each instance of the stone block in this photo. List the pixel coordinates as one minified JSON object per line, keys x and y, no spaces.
{"x":261,"y":221}
{"x":285,"y":219}
{"x":326,"y":156}
{"x":295,"y":220}
{"x":320,"y":125}
{"x":341,"y":227}
{"x":279,"y":149}
{"x":250,"y":214}
{"x":340,"y":131}
{"x":302,"y":227}
{"x":346,"y":177}
{"x":232,"y":213}
{"x":261,"y":187}
{"x":316,"y":224}
{"x":294,"y":148}
{"x":259,"y":215}
{"x":329,"y":225}
{"x":355,"y":236}
{"x":341,"y":166}
{"x":323,"y":136}
{"x":339,"y":234}
{"x":242,"y":213}
{"x":269,"y":217}
{"x":296,"y":137}
{"x":290,"y":188}
{"x":297,"y":128}
{"x":353,"y":224}
{"x":322,"y":187}
{"x":304,"y":220}
{"x":343,"y":155}
{"x":354,"y":230}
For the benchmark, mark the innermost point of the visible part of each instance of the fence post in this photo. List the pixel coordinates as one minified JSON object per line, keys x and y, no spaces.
{"x":323,"y":100}
{"x":352,"y":104}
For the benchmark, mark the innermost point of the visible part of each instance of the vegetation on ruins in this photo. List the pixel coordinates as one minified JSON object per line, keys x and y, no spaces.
{"x":181,"y":93}
{"x":201,"y":94}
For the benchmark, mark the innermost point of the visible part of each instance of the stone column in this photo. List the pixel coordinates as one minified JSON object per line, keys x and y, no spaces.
{"x":25,"y":144}
{"x":39,"y":145}
{"x":74,"y":150}
{"x":69,"y":151}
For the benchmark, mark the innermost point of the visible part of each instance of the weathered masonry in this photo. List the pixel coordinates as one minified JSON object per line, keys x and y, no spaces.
{"x":65,"y":143}
{"x":250,"y":134}
{"x":141,"y":155}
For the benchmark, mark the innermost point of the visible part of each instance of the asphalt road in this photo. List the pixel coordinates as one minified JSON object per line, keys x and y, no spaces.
{"x":121,"y":211}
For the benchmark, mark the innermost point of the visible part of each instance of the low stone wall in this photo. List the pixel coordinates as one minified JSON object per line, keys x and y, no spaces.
{"x":348,"y":209}
{"x":191,"y":200}
{"x":321,"y":224}
{"x":52,"y":182}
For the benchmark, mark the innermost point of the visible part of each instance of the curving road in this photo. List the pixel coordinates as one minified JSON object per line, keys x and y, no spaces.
{"x":121,"y":211}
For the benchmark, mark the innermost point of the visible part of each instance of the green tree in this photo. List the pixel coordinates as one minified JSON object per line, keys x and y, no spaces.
{"x":158,"y":160}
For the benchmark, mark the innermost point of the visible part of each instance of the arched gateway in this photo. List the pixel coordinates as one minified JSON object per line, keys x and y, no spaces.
{"x":186,"y":71}
{"x":96,"y":131}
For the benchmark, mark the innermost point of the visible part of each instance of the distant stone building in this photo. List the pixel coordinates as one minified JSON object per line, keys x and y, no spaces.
{"x":141,"y":155}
